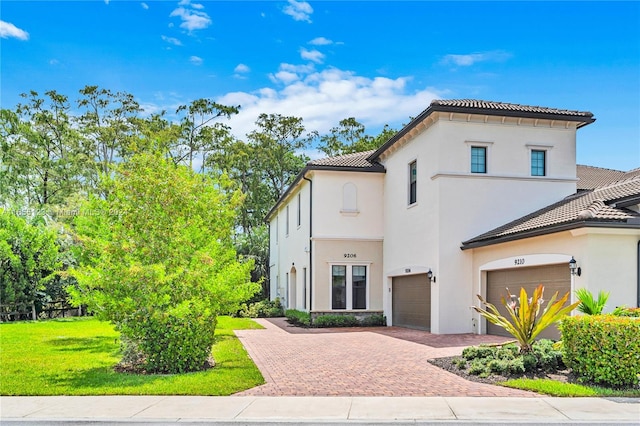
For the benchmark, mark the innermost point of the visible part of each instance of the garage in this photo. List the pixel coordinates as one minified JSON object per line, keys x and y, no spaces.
{"x":553,"y":277}
{"x":411,"y":302}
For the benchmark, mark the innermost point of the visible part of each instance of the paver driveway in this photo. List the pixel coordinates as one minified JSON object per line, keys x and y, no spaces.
{"x":360,"y":363}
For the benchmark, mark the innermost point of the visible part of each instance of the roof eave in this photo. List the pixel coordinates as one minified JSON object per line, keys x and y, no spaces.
{"x":582,"y":121}
{"x":470,"y":244}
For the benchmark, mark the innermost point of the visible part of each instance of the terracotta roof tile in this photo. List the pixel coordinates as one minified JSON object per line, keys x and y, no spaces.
{"x":356,"y":160}
{"x":473,"y":104}
{"x":593,"y":177}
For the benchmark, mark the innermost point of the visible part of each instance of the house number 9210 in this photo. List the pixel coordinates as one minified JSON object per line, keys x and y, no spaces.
{"x":350,"y":255}
{"x":519,"y":261}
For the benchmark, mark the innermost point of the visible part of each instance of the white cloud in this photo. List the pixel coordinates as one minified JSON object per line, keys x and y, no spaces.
{"x":196,"y":60}
{"x":107,"y":2}
{"x":54,"y":62}
{"x":241,"y":68}
{"x":8,"y":30}
{"x":312,"y":55}
{"x":320,"y":41}
{"x":144,"y":6}
{"x":299,"y":10}
{"x":323,"y":98}
{"x":473,"y":58}
{"x":172,"y":40}
{"x":191,"y":19}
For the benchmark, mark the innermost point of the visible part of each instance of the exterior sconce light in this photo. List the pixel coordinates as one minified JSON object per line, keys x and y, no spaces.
{"x":574,"y":268}
{"x":430,"y":276}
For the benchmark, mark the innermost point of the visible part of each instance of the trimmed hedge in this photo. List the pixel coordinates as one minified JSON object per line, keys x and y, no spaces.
{"x":262,"y":309}
{"x":336,"y":321}
{"x":602,"y":349}
{"x":296,"y":317}
{"x":485,"y":360}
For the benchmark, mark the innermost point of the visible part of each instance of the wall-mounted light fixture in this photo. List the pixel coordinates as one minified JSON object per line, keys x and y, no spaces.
{"x":574,"y":268}
{"x":432,"y":278}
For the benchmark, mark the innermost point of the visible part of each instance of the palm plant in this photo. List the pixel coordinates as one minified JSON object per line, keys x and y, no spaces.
{"x":588,"y":304}
{"x":524,"y":321}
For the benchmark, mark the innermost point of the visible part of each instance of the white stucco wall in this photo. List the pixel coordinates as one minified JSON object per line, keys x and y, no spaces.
{"x":454,"y":205}
{"x":607,"y":257}
{"x":333,"y":229}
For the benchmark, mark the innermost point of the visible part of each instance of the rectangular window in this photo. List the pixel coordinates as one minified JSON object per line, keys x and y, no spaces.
{"x":359,"y":286}
{"x":349,"y":287}
{"x":538,"y":163}
{"x":413,"y":182}
{"x":478,"y":159}
{"x":338,"y":287}
{"x":299,"y":211}
{"x":287,"y":222}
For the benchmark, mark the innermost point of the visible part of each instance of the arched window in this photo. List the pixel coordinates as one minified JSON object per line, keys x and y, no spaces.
{"x":349,"y":198}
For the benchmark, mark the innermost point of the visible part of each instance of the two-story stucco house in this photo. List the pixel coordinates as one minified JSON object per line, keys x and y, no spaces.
{"x":469,"y":198}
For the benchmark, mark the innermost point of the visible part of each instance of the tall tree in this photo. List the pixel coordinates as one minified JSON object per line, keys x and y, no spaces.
{"x":108,"y":123}
{"x":350,"y":136}
{"x":41,"y":150}
{"x":198,"y":129}
{"x":278,"y":151}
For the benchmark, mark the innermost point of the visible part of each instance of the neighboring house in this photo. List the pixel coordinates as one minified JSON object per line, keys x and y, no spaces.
{"x":443,"y":211}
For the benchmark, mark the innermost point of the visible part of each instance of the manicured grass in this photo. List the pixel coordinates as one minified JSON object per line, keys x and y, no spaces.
{"x":76,"y":357}
{"x":556,"y":388}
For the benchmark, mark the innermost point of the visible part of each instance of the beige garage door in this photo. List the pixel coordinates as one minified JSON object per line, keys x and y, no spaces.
{"x":412,"y":302}
{"x":553,"y":277}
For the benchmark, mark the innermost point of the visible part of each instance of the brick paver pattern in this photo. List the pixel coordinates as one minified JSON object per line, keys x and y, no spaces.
{"x":360,"y":363}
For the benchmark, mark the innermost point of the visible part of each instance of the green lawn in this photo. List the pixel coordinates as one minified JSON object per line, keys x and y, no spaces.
{"x":555,"y":388}
{"x":76,"y":357}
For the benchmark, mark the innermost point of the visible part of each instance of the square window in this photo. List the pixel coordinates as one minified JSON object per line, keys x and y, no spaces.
{"x":538,"y":163}
{"x":478,"y":159}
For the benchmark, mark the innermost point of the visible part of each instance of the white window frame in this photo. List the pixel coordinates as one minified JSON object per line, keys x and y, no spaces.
{"x":287,"y":222}
{"x":415,"y":202}
{"x":299,"y":212}
{"x":349,"y":304}
{"x":547,"y":155}
{"x":487,"y":160}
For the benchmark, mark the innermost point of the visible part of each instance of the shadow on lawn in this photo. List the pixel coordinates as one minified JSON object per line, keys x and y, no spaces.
{"x":97,"y":344}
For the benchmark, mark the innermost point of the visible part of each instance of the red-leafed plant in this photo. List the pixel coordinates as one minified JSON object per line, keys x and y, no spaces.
{"x":524,"y":320}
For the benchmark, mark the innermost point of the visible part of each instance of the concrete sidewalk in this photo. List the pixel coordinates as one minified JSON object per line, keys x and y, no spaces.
{"x":234,"y":409}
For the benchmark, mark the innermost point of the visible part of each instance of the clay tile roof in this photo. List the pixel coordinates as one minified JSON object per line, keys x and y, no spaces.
{"x":475,"y":104}
{"x":356,"y":160}
{"x":595,"y":206}
{"x":593,"y":177}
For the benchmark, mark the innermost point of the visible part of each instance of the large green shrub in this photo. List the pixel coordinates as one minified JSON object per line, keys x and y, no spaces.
{"x":28,"y":259}
{"x":602,"y":349}
{"x":159,"y":261}
{"x":262,"y":309}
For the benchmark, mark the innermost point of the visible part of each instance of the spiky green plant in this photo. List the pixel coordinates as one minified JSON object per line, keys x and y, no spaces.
{"x":590,"y":305}
{"x":524,"y":321}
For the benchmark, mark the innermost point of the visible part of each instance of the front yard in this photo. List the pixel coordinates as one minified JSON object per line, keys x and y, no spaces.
{"x":77,"y":356}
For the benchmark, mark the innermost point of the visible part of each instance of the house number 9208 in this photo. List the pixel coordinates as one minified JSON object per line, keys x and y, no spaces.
{"x":519,"y":261}
{"x":350,"y":255}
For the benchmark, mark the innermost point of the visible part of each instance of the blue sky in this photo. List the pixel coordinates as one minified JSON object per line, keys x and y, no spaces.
{"x":380,"y":62}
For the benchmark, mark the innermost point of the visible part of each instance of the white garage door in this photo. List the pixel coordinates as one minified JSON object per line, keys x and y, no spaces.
{"x":412,"y":302}
{"x":553,"y":277}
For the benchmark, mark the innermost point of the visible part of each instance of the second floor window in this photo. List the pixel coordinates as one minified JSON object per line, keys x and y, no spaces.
{"x":538,"y":163}
{"x":478,"y":159}
{"x":413,"y":182}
